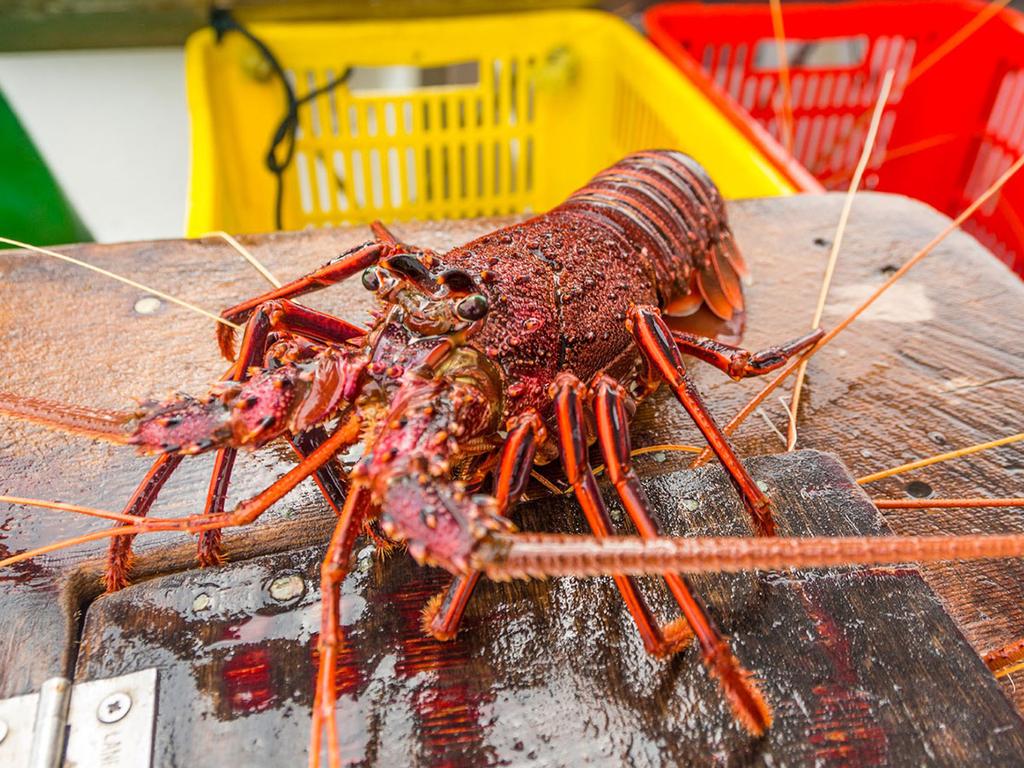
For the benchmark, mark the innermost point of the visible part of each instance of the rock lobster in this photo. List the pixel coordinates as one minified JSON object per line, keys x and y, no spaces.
{"x":520,"y":347}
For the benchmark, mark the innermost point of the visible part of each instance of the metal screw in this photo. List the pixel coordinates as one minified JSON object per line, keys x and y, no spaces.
{"x":147,"y":305}
{"x":3,"y":731}
{"x":114,"y":707}
{"x":202,"y":602}
{"x":285,"y":588}
{"x":919,"y":489}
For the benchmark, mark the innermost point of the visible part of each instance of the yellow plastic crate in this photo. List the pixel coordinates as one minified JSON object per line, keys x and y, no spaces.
{"x":550,"y":98}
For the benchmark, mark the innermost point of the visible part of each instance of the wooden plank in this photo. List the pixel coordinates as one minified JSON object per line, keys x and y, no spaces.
{"x":946,"y":374}
{"x":862,"y":666}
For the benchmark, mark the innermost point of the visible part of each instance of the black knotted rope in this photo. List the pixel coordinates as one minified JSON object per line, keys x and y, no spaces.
{"x":223,"y":22}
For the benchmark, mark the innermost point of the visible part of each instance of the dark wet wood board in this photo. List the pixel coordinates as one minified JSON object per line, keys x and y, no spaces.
{"x":937,"y":367}
{"x":862,"y":667}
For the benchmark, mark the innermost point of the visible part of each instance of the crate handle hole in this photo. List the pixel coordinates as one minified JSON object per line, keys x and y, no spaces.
{"x":403,"y":78}
{"x":830,"y":53}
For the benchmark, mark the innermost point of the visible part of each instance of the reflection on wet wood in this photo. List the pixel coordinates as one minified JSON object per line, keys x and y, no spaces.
{"x":939,"y":368}
{"x":861,"y":666}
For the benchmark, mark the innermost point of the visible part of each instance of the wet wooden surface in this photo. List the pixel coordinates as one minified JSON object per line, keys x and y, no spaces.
{"x":553,"y":673}
{"x":938,"y":365}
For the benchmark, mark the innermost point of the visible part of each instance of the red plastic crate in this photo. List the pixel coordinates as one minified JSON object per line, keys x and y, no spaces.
{"x":948,"y":131}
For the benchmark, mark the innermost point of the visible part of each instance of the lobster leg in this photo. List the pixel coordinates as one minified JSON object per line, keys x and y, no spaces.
{"x":335,"y":271}
{"x":329,"y":478}
{"x":568,"y":394}
{"x":119,"y":553}
{"x":737,"y":362}
{"x":208,"y":550}
{"x":281,"y":315}
{"x":332,"y":572}
{"x":654,"y":338}
{"x":286,"y":316}
{"x":442,"y":615}
{"x":610,"y":402}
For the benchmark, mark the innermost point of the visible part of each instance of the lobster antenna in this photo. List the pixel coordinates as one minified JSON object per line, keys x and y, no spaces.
{"x":246,"y":254}
{"x":1008,"y":670}
{"x":764,"y":416}
{"x":660,"y":448}
{"x":792,"y":365}
{"x":779,"y":32}
{"x":940,"y":457}
{"x":76,"y":508}
{"x":837,"y":242}
{"x":664,"y":447}
{"x":947,"y":503}
{"x":127,"y":530}
{"x":524,"y":556}
{"x":790,"y":423}
{"x":540,"y":555}
{"x":121,"y":279}
{"x":148,"y":523}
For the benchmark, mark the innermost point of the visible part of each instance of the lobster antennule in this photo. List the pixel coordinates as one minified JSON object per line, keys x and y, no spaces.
{"x":285,"y":400}
{"x":96,"y":423}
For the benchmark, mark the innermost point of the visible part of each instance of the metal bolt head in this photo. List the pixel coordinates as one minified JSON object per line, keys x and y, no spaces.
{"x":114,"y":707}
{"x":3,"y":730}
{"x":147,"y":305}
{"x":202,"y":602}
{"x":287,"y":587}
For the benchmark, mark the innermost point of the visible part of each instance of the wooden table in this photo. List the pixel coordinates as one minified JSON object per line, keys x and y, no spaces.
{"x":936,"y":365}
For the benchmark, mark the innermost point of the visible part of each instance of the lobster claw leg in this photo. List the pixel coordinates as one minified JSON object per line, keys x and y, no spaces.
{"x":654,"y":338}
{"x":738,"y":363}
{"x":569,"y":394}
{"x":443,"y":613}
{"x":610,"y":403}
{"x":341,"y":268}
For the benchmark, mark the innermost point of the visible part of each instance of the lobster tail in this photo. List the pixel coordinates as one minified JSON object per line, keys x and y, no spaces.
{"x":89,"y":422}
{"x":666,"y":205}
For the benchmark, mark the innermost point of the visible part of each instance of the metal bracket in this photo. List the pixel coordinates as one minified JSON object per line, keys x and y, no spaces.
{"x":99,"y":724}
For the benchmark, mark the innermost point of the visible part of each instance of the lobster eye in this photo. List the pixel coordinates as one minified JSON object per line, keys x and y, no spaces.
{"x":371,"y":281}
{"x":473,"y":307}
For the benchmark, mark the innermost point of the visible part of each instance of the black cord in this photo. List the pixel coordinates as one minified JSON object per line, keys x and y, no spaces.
{"x":223,"y":22}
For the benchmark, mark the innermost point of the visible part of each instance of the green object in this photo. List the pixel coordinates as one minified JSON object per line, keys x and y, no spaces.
{"x":32,"y":206}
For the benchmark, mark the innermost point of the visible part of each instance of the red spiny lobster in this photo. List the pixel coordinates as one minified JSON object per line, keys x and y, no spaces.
{"x":516,"y":348}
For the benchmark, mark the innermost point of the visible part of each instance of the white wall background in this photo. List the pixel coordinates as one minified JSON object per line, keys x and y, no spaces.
{"x":113,"y":127}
